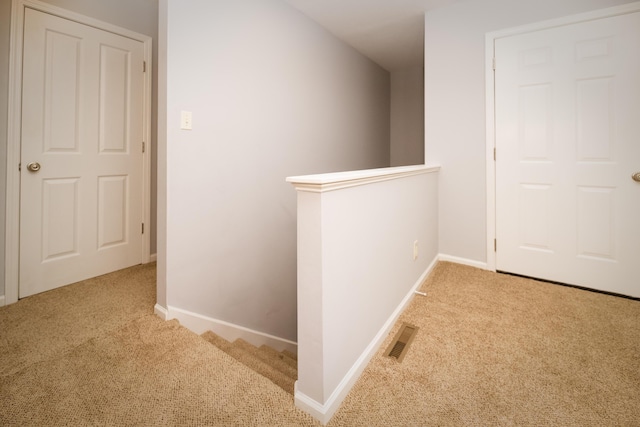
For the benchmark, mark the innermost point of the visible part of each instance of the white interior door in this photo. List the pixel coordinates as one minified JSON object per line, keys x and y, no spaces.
{"x":81,"y":206}
{"x":567,"y":105}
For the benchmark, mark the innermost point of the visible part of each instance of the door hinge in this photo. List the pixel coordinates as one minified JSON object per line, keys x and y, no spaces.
{"x":143,"y":147}
{"x":19,"y":167}
{"x":495,"y":245}
{"x":494,"y":63}
{"x":144,"y":66}
{"x":494,"y":154}
{"x":143,"y":228}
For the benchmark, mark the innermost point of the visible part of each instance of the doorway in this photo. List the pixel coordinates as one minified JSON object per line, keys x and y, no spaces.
{"x":78,"y":131}
{"x":565,"y":152}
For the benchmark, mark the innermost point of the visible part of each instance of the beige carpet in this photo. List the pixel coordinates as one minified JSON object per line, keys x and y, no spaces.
{"x":491,"y":350}
{"x":494,"y":349}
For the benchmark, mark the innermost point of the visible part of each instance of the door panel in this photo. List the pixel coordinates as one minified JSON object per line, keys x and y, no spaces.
{"x":567,"y":132}
{"x":114,"y":99}
{"x":60,"y":209}
{"x":113,"y":197}
{"x":81,"y":212}
{"x":60,"y":92}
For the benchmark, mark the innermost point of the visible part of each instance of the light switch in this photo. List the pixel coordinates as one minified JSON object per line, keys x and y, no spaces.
{"x":185,"y":120}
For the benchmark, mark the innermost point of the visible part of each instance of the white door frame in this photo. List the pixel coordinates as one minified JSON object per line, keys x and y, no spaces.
{"x":12,"y":219}
{"x":490,"y":101}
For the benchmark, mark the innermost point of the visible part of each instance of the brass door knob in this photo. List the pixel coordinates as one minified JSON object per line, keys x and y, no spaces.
{"x":33,"y":167}
{"x":636,"y":177}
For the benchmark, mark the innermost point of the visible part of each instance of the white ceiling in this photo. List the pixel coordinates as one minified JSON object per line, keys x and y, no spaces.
{"x":390,"y":32}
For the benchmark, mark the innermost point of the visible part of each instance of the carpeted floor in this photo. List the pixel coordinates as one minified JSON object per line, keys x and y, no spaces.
{"x":491,"y":350}
{"x":498,"y":350}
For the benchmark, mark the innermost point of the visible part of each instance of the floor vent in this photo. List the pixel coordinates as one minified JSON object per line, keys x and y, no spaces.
{"x":400,"y":344}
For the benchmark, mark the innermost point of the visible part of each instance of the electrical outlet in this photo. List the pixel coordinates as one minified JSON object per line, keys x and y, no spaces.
{"x":415,"y":250}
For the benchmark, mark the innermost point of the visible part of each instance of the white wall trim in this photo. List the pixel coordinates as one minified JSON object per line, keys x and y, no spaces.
{"x":2,"y":303}
{"x":321,"y":183}
{"x":324,"y":412}
{"x":153,"y":258}
{"x":490,"y":101}
{"x":12,"y":219}
{"x":310,"y":406}
{"x":161,"y":312}
{"x":463,"y":261}
{"x":567,"y":20}
{"x":199,"y":324}
{"x":490,"y":147}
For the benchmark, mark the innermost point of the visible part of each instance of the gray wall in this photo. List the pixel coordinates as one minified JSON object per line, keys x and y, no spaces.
{"x":407,"y":117}
{"x":140,"y":16}
{"x":455,"y":106}
{"x":272,"y":95}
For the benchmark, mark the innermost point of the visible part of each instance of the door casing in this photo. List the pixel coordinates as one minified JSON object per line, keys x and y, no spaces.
{"x":12,"y":218}
{"x":490,"y":102}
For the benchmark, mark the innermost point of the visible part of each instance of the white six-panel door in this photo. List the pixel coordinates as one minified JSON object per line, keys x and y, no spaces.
{"x":567,"y":110}
{"x":81,"y":188}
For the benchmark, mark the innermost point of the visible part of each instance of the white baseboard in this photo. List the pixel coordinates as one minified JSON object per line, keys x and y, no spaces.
{"x":2,"y":302}
{"x":320,"y":412}
{"x":153,"y":257}
{"x":463,"y":261}
{"x":199,"y":324}
{"x":161,"y":312}
{"x":323,"y":413}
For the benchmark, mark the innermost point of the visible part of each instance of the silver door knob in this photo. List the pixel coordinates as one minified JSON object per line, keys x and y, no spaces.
{"x":636,"y":177}
{"x":33,"y":167}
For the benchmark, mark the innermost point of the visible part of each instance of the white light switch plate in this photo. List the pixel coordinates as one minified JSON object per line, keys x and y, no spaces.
{"x":185,"y":120}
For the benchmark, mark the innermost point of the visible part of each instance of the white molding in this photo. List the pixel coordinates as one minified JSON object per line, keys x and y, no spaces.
{"x":12,"y":210}
{"x":2,"y":303}
{"x":146,"y":156}
{"x":592,"y":15}
{"x":153,"y":257}
{"x":161,"y":312}
{"x":311,"y":407}
{"x":323,"y":413}
{"x":463,"y":261}
{"x":12,"y":218}
{"x":490,"y":101}
{"x":77,"y":17}
{"x":321,"y":183}
{"x":199,"y":324}
{"x":490,"y":146}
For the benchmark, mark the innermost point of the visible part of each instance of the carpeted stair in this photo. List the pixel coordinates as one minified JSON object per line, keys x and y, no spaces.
{"x":279,"y":367}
